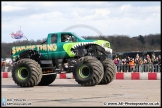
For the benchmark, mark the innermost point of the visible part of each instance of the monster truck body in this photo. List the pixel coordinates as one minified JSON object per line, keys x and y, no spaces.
{"x":56,"y":55}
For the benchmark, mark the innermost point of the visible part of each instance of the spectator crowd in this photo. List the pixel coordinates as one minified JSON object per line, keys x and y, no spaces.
{"x":138,"y":64}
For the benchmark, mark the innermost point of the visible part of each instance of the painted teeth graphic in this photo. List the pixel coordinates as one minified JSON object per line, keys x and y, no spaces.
{"x":80,"y":44}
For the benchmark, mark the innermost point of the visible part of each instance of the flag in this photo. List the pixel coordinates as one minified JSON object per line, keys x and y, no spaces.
{"x":17,"y":34}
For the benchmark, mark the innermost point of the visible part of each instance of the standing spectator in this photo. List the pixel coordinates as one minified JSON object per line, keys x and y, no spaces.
{"x":159,"y":60}
{"x":116,"y":61}
{"x":3,"y":65}
{"x":9,"y":66}
{"x":125,"y":66}
{"x":159,"y":63}
{"x":118,"y":64}
{"x":127,"y":59}
{"x":155,"y":64}
{"x":145,"y":65}
{"x":141,"y":66}
{"x":150,"y":65}
{"x":137,"y":56}
{"x":153,"y":59}
{"x":136,"y":61}
{"x":131,"y":65}
{"x":144,"y":61}
{"x":156,"y":61}
{"x":147,"y":56}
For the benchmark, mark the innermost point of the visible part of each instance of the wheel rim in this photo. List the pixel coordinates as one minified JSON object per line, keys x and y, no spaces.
{"x":84,"y":71}
{"x":23,"y":73}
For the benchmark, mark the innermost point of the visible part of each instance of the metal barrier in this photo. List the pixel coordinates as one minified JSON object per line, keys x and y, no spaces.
{"x":139,"y":68}
{"x":6,"y":68}
{"x":121,"y":68}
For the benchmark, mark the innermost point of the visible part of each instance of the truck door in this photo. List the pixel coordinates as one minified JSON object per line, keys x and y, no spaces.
{"x":53,"y":46}
{"x":59,"y":53}
{"x":59,"y":41}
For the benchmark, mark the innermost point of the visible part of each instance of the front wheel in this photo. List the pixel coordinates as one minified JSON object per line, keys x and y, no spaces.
{"x":109,"y":71}
{"x":88,"y":71}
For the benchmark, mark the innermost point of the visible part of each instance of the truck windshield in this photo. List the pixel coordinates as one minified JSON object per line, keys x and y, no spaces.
{"x":81,"y":37}
{"x":78,"y":36}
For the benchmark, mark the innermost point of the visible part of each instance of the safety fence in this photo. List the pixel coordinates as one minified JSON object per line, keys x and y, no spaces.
{"x":139,"y":68}
{"x":6,"y":68}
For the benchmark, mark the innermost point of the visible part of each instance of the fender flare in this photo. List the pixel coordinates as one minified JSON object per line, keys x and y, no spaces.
{"x":27,"y":53}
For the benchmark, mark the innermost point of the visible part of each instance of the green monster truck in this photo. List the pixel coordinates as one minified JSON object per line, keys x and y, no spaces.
{"x":63,"y":52}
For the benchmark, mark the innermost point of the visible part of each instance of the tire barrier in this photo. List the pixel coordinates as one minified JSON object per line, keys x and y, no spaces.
{"x":119,"y":76}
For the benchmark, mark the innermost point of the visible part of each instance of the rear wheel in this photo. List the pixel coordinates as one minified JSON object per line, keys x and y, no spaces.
{"x":26,"y":73}
{"x":88,"y":71}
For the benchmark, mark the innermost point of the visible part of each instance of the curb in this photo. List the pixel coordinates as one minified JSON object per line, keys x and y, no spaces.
{"x":118,"y":76}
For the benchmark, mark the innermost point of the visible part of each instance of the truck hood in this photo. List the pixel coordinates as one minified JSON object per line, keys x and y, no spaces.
{"x":100,"y":42}
{"x":69,"y":46}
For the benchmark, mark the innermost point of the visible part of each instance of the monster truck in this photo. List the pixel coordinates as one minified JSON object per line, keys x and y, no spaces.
{"x":66,"y":52}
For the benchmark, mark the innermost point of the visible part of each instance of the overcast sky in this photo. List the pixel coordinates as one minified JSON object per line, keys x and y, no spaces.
{"x":37,"y":19}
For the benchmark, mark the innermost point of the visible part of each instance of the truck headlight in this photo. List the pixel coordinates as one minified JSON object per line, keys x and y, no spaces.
{"x":109,"y":50}
{"x":104,"y":45}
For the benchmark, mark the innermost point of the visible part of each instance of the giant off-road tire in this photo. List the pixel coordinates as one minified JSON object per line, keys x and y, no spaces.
{"x":109,"y":71}
{"x":26,"y":73}
{"x":88,"y":71}
{"x":47,"y":79}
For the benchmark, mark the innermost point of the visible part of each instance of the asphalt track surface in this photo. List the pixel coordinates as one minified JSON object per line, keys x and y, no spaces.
{"x":66,"y":92}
